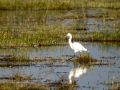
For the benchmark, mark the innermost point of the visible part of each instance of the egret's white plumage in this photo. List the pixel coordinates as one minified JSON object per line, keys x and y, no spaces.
{"x":77,"y":47}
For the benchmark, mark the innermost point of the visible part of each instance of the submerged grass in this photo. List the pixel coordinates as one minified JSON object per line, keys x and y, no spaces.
{"x":18,"y":77}
{"x":56,"y":4}
{"x":14,"y":82}
{"x":15,"y":58}
{"x":34,"y":86}
{"x":23,"y":86}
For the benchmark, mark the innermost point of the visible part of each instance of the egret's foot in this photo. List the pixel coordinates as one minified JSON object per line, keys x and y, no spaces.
{"x":80,"y":53}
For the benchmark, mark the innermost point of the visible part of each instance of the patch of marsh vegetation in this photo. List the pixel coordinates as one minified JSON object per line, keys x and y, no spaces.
{"x":34,"y":86}
{"x":21,"y":86}
{"x":85,"y":59}
{"x":18,"y":77}
{"x":53,"y":4}
{"x":11,"y":61}
{"x":40,"y":35}
{"x":50,"y":35}
{"x":104,"y":35}
{"x":15,"y":82}
{"x":11,"y":58}
{"x":14,"y":61}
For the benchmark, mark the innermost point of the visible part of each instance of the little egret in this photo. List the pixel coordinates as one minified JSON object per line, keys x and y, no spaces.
{"x":77,"y":47}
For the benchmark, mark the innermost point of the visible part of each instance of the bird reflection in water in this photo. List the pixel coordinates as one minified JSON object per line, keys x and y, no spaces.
{"x":76,"y":72}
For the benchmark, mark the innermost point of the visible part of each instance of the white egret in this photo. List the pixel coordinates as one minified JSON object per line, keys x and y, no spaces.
{"x":77,"y":47}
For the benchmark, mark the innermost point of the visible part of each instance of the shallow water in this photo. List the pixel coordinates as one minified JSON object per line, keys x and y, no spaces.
{"x":96,"y":76}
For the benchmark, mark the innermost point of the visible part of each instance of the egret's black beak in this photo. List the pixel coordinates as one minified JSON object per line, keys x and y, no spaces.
{"x":65,"y":36}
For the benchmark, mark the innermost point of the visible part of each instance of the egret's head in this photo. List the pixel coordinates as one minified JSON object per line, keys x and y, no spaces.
{"x":69,"y":35}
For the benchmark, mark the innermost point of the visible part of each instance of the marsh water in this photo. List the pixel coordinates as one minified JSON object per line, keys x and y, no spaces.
{"x":80,"y":19}
{"x":54,"y":64}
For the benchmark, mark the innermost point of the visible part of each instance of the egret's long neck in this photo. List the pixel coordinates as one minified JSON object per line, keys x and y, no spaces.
{"x":70,"y":41}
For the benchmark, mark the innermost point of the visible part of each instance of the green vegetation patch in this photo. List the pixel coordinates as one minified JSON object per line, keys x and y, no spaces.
{"x":39,"y":35}
{"x":56,"y":4}
{"x":104,"y":35}
{"x":50,"y":35}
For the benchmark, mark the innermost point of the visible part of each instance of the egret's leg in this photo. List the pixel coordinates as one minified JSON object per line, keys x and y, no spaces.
{"x":74,"y":54}
{"x":80,"y":53}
